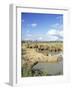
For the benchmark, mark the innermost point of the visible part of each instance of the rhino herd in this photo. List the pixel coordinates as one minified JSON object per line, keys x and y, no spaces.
{"x":34,"y":53}
{"x":44,"y":47}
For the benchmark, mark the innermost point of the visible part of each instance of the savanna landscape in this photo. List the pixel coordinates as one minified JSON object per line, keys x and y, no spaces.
{"x":34,"y":53}
{"x":41,"y":44}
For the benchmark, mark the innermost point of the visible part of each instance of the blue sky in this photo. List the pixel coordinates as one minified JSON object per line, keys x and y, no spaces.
{"x":42,"y":27}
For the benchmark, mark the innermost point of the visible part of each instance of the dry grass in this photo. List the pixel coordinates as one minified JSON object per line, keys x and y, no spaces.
{"x":32,"y":56}
{"x":32,"y":53}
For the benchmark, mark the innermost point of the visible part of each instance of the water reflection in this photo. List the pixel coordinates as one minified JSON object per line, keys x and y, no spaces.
{"x":49,"y":68}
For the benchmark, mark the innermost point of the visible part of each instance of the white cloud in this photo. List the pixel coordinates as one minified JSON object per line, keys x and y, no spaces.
{"x":40,"y":38}
{"x":51,"y":35}
{"x":29,"y":35}
{"x":54,"y":34}
{"x":52,"y":38}
{"x":51,"y":32}
{"x":55,"y":25}
{"x":33,"y":24}
{"x":61,"y":33}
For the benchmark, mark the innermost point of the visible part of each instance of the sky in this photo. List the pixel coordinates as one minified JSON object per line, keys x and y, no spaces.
{"x":42,"y":27}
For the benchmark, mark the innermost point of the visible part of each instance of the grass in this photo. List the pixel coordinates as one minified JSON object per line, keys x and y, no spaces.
{"x":34,"y":52}
{"x":30,"y":73}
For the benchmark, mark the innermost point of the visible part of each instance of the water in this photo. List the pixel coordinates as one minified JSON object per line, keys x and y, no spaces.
{"x":50,"y":68}
{"x":55,"y":68}
{"x":56,"y":53}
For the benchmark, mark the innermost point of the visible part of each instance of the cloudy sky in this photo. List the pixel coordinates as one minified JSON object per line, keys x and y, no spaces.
{"x":42,"y":27}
